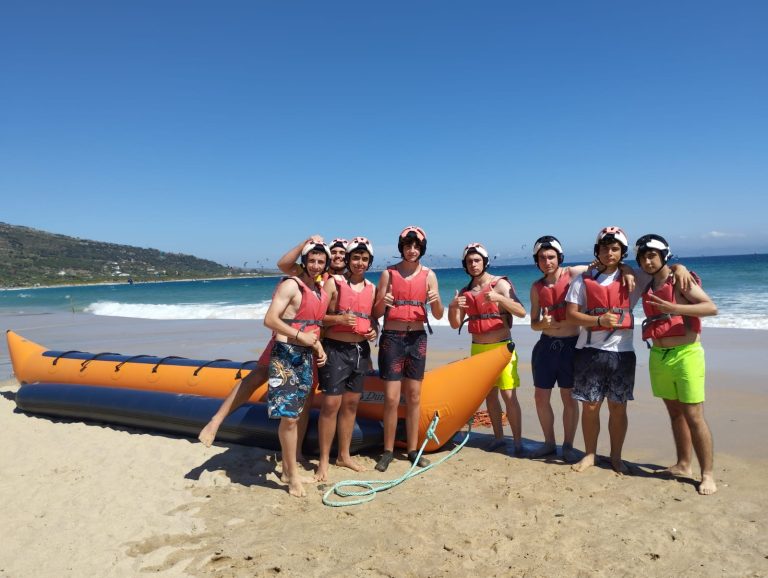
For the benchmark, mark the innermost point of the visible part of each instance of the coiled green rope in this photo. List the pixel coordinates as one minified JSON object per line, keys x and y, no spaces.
{"x":371,"y":487}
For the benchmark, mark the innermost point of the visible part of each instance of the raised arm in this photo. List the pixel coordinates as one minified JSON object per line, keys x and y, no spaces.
{"x":288,"y":262}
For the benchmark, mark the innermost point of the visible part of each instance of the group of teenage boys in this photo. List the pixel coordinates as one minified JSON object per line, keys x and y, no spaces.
{"x":324,"y":315}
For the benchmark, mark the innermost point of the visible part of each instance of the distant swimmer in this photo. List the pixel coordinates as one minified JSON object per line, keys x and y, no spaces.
{"x":676,"y":362}
{"x":404,"y":292}
{"x":487,"y":304}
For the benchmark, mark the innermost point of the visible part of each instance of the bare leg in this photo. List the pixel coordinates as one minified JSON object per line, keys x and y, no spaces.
{"x":514,"y":417}
{"x":617,"y":429}
{"x":326,"y":431}
{"x":412,"y":390}
{"x":493,"y":405}
{"x":702,"y":443}
{"x":303,"y":423}
{"x":238,"y":396}
{"x":681,"y":433}
{"x":391,"y":403}
{"x":570,"y":423}
{"x":542,"y":397}
{"x":346,"y":425}
{"x":288,"y":432}
{"x":590,"y":427}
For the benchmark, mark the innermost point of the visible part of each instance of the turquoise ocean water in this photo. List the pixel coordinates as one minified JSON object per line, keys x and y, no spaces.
{"x":737,"y":284}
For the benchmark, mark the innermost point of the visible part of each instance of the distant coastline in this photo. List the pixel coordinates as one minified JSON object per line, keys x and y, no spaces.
{"x":146,"y":282}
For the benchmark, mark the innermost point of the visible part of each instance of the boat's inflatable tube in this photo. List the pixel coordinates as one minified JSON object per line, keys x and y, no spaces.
{"x":176,"y":413}
{"x":454,"y":390}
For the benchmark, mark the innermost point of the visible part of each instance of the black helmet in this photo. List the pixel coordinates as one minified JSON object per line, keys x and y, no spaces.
{"x":548,"y":242}
{"x":653,"y":241}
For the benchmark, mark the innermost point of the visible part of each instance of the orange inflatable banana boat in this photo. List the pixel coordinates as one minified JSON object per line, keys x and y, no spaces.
{"x":454,"y":390}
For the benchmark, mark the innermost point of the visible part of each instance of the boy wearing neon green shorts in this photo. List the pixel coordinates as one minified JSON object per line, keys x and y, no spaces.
{"x":676,"y":361}
{"x":488,"y":303}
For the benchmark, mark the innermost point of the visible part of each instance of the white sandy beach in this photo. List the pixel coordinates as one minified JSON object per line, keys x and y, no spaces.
{"x":96,"y":500}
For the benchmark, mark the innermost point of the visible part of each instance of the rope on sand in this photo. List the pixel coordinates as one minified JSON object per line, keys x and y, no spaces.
{"x":371,"y":487}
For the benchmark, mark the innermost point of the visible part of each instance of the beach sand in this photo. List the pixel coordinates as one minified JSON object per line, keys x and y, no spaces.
{"x":96,"y":500}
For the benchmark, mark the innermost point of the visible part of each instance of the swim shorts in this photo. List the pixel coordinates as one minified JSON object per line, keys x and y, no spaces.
{"x":290,"y":379}
{"x":602,"y":374}
{"x":677,"y":373}
{"x":402,"y":354}
{"x":346,"y":366}
{"x":552,"y":361}
{"x":508,"y":378}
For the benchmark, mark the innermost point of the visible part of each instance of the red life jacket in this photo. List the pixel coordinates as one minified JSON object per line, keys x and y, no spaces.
{"x":410,"y":296}
{"x":553,"y":296}
{"x":312,"y":309}
{"x":359,"y":303}
{"x":612,"y":298}
{"x":482,"y":315}
{"x":657,"y":324}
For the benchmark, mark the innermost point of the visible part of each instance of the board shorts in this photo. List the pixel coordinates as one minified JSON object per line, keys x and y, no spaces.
{"x":508,"y":378}
{"x":599,"y":374}
{"x":402,"y":354}
{"x":552,"y":361}
{"x":345,"y":369}
{"x":290,"y":379}
{"x":677,"y":373}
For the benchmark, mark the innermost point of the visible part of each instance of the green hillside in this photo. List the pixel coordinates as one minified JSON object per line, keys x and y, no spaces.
{"x":29,"y":256}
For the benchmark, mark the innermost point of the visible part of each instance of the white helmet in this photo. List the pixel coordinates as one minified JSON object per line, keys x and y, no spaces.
{"x":355,"y":245}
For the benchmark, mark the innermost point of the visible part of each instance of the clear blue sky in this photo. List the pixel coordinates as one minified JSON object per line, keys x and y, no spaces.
{"x":230,"y":130}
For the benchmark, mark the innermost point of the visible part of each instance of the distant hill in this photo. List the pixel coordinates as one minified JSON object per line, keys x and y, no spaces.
{"x":29,"y":257}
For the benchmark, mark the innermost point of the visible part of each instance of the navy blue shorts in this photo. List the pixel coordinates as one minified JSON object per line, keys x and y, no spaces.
{"x":290,"y":379}
{"x":552,"y":361}
{"x":402,"y":354}
{"x":599,"y":374}
{"x":345,"y":369}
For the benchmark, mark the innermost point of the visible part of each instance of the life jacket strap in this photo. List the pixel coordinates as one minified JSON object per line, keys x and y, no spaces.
{"x":355,"y":313}
{"x":303,"y":322}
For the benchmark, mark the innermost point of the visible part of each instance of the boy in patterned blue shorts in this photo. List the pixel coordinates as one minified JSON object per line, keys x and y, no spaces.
{"x":295,"y":314}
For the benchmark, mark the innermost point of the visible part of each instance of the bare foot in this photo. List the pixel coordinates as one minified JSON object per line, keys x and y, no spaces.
{"x":543,"y":451}
{"x":322,"y":473}
{"x":619,"y":466}
{"x":301,"y":479}
{"x":208,"y":434}
{"x":678,"y":470}
{"x":350,"y":463}
{"x":296,"y":489}
{"x":518,"y":451}
{"x":585,"y":463}
{"x":707,"y":486}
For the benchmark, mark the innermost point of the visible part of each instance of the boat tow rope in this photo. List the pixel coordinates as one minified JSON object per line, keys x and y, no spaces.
{"x":371,"y":487}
